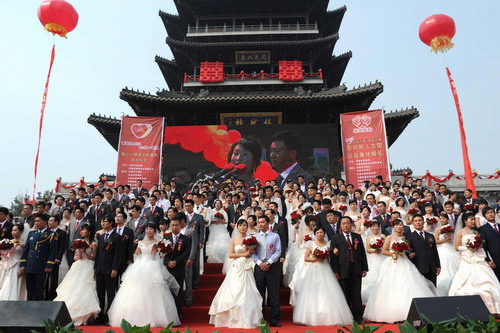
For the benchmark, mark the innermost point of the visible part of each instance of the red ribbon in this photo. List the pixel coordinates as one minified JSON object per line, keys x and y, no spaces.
{"x":469,"y":178}
{"x":42,"y":112}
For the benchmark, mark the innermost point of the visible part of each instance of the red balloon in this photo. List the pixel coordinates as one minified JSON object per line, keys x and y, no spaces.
{"x":437,"y":31}
{"x":58,"y":17}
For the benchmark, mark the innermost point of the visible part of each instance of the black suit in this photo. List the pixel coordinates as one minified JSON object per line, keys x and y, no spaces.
{"x":6,"y":230}
{"x":385,"y":224}
{"x":281,"y":228}
{"x":180,"y":255}
{"x":350,"y":271}
{"x":99,"y":214}
{"x":155,"y":215}
{"x":113,"y":204}
{"x":233,"y":215}
{"x":294,"y":175}
{"x":491,"y":245}
{"x":332,"y":231}
{"x":52,"y":281}
{"x":128,"y":248}
{"x":138,"y":192}
{"x":108,"y":258}
{"x":426,"y":255}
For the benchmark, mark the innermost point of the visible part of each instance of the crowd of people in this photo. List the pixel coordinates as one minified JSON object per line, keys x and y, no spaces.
{"x":345,"y":253}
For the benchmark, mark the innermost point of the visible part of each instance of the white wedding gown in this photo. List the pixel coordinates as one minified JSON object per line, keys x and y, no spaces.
{"x":398,"y":283}
{"x":294,"y":259}
{"x":145,"y":295}
{"x":78,"y":289}
{"x":475,"y":277}
{"x":449,"y":265}
{"x":375,"y":261}
{"x":12,"y":287}
{"x":238,"y":303}
{"x":217,"y":243}
{"x":319,"y":299}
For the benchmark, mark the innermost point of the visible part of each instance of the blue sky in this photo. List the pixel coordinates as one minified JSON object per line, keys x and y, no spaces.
{"x":115,"y":43}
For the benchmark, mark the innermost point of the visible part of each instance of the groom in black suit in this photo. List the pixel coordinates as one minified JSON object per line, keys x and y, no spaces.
{"x":108,"y":258}
{"x":176,"y":260}
{"x":490,"y":233}
{"x":284,"y":152}
{"x":348,"y":262}
{"x":425,"y":255}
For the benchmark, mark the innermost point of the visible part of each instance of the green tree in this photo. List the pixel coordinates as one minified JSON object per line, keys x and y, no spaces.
{"x":17,"y":204}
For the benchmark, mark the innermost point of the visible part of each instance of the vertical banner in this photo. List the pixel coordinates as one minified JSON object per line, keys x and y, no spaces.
{"x":364,"y":146}
{"x":139,"y":151}
{"x":469,"y":178}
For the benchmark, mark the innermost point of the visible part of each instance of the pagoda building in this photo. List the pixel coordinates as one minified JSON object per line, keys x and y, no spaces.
{"x":252,"y":58}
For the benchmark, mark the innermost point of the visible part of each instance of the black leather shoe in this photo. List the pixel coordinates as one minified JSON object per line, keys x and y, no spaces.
{"x":275,"y":325}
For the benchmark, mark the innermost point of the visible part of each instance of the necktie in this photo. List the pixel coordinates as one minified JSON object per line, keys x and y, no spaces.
{"x":263,"y":248}
{"x":333,"y":228}
{"x":452,"y":218}
{"x":422,"y":235}
{"x":271,"y":228}
{"x":495,"y":226}
{"x":120,"y":230}
{"x":96,"y":212}
{"x":106,"y":237}
{"x":349,"y":244}
{"x":175,"y":239}
{"x":77,"y":224}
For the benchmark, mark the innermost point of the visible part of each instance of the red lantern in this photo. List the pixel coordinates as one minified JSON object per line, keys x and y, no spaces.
{"x":437,"y":31}
{"x":58,"y":17}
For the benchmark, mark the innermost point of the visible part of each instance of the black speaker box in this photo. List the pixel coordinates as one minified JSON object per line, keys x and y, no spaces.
{"x":24,"y":316}
{"x":444,"y":308}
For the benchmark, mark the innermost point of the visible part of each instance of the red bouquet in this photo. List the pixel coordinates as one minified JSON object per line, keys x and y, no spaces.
{"x":398,"y":248}
{"x":307,"y":238}
{"x":475,"y":243}
{"x":219,"y":216}
{"x":413,"y":211}
{"x":252,"y":189}
{"x":447,"y":229}
{"x":250,"y":241}
{"x":431,"y":221}
{"x":288,"y":191}
{"x":342,"y":207}
{"x":469,"y":207}
{"x":295,"y":216}
{"x":376,"y":243}
{"x":321,"y":255}
{"x":421,"y":202}
{"x":254,"y":195}
{"x":367,"y":223}
{"x":6,"y":244}
{"x":79,"y":244}
{"x":163,"y":247}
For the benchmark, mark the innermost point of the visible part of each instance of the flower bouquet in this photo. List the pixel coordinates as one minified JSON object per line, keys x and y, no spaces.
{"x":6,"y":244}
{"x":431,"y":221}
{"x":398,"y":248}
{"x":307,"y":238}
{"x":475,"y":243}
{"x":376,"y":243}
{"x":321,"y":255}
{"x":79,"y":244}
{"x":163,"y":247}
{"x":219,"y":216}
{"x":413,"y":211}
{"x":295,"y":217}
{"x":447,"y":229}
{"x":250,"y":241}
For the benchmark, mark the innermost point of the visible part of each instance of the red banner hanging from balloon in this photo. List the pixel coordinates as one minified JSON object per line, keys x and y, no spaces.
{"x":364,"y":146}
{"x":469,"y":177}
{"x":42,"y":113}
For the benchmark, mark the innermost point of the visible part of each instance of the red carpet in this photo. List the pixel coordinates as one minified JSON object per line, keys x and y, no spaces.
{"x":196,"y":317}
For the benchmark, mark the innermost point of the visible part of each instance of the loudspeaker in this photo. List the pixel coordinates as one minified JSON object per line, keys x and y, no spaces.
{"x":444,"y":308}
{"x":23,"y":316}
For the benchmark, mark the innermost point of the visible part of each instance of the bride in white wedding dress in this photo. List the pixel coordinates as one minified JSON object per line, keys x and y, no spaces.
{"x":145,"y":295}
{"x":238,"y":303}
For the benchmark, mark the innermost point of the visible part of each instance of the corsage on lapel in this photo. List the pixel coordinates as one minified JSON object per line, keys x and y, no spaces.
{"x":179,"y":245}
{"x":356,"y":242}
{"x":271,"y":248}
{"x":110,"y":241}
{"x":431,"y":242}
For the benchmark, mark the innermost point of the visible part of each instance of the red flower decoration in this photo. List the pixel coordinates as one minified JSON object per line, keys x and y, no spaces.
{"x":475,"y":243}
{"x":447,"y":229}
{"x":307,"y":238}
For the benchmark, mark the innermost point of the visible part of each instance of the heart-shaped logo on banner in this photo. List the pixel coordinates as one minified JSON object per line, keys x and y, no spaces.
{"x":362,"y":121}
{"x":141,"y":131}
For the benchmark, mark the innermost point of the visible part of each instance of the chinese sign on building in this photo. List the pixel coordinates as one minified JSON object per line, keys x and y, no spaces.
{"x":364,"y":146}
{"x":139,"y":150}
{"x":250,"y":119}
{"x":253,"y":57}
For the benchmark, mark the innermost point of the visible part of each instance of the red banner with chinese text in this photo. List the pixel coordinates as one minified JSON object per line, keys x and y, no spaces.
{"x":364,"y":146}
{"x":139,"y":151}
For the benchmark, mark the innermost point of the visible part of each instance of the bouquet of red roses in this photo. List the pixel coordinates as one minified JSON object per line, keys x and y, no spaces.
{"x":342,"y":207}
{"x":431,"y":221}
{"x":475,"y":243}
{"x":367,"y":223}
{"x":295,"y":216}
{"x":321,"y":255}
{"x":307,"y":238}
{"x":79,"y":244}
{"x":219,"y":216}
{"x":447,"y":229}
{"x":469,"y":206}
{"x":413,"y":211}
{"x":398,"y":248}
{"x":376,"y":243}
{"x":288,"y":191}
{"x":250,"y":241}
{"x":6,"y":244}
{"x":163,"y":247}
